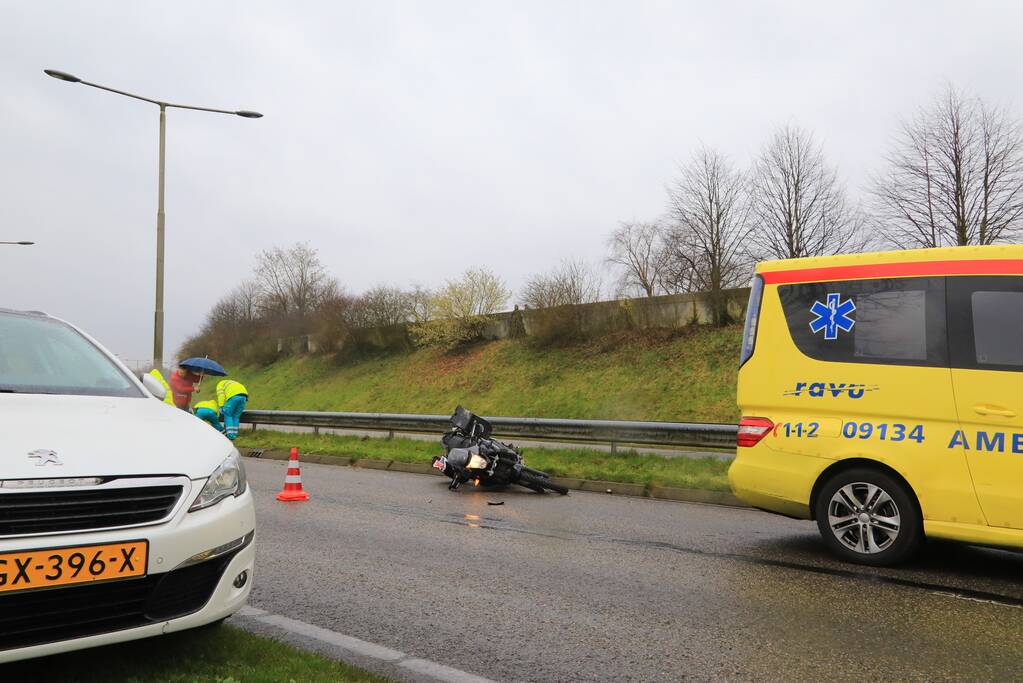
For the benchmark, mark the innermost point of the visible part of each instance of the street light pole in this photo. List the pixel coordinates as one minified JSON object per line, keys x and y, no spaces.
{"x":158,"y":310}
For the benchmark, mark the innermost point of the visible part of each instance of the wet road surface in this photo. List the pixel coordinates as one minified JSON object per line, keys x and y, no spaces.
{"x":594,"y":587}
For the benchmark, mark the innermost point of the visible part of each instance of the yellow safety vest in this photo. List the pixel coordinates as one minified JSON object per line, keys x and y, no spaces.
{"x":169,"y":396}
{"x":228,"y":388}
{"x":210,"y":404}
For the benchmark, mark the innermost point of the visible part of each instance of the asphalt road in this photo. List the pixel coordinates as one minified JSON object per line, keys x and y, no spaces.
{"x":594,"y":587}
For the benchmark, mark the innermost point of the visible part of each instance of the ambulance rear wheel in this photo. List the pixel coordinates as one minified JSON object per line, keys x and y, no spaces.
{"x":868,"y":517}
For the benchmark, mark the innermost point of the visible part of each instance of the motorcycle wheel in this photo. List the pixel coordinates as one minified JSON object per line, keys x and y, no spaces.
{"x":540,"y":484}
{"x":557,"y":488}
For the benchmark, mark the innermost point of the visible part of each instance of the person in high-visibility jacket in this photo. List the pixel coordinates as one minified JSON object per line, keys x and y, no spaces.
{"x":168,"y":397}
{"x":231,"y":397}
{"x":208,"y":411}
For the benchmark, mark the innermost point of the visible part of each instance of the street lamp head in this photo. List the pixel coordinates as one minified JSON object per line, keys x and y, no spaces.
{"x":249,"y":114}
{"x":26,"y":244}
{"x":61,"y":75}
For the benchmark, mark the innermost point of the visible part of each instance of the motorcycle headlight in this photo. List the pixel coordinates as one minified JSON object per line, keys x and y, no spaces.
{"x":226,"y":480}
{"x":458,"y":457}
{"x":477,"y":462}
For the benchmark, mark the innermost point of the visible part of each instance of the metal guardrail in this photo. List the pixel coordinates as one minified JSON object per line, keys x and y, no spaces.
{"x":699,"y":434}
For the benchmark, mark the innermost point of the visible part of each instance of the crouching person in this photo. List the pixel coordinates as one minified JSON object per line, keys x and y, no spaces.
{"x":231,"y":397}
{"x":209,"y":412}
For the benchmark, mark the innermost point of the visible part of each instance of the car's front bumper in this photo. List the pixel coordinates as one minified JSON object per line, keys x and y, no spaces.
{"x":206,"y":587}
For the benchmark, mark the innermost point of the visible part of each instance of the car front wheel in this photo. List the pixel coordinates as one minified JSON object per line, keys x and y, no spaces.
{"x":869,"y":517}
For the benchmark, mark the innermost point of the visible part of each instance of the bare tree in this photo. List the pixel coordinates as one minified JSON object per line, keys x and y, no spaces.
{"x":1001,"y":181}
{"x":421,"y":302}
{"x":232,"y":321}
{"x":677,"y":274}
{"x":225,"y":316}
{"x":636,"y":249}
{"x":954,"y":177}
{"x":387,"y":306}
{"x":710,"y":231}
{"x":293,"y":281}
{"x":240,"y":307}
{"x":542,"y":291}
{"x":799,"y":205}
{"x":247,"y":298}
{"x":336,"y":315}
{"x":291,"y":294}
{"x":573,"y":282}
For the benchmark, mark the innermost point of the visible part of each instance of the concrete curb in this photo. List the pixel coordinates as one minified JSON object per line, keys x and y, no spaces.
{"x":622,"y":489}
{"x":371,"y":464}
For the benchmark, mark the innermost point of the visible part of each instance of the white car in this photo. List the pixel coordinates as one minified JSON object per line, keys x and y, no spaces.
{"x":121,"y":517}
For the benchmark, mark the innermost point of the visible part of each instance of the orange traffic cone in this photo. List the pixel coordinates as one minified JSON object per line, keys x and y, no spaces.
{"x":293,"y":481}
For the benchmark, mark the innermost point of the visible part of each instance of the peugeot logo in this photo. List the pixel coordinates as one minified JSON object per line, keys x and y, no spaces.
{"x":46,"y":457}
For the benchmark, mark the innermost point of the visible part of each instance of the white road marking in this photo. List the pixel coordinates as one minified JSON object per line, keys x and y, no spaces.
{"x":959,"y":596}
{"x":363,"y":647}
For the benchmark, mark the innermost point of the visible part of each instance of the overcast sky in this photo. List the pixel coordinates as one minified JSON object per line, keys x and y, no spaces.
{"x":407,"y":141}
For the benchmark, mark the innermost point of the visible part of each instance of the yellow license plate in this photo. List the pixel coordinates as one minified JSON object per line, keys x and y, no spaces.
{"x":80,"y":564}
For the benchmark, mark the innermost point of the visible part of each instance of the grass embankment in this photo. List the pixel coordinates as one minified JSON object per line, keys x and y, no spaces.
{"x":210,"y":655}
{"x":685,"y":378}
{"x":626,"y":467}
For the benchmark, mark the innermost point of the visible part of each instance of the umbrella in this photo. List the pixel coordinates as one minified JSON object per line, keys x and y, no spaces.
{"x":204,"y":366}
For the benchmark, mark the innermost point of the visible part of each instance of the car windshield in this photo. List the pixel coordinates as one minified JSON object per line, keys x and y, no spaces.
{"x":44,"y":356}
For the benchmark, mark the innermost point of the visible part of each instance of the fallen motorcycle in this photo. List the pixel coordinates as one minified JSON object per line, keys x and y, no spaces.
{"x":471,"y":455}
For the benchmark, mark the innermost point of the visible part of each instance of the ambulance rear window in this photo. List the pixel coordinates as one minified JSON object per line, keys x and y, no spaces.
{"x":986,"y":322}
{"x":897,"y":321}
{"x":998,"y":327}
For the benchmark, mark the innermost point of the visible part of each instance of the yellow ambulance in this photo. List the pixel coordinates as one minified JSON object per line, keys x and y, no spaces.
{"x":882,"y":396}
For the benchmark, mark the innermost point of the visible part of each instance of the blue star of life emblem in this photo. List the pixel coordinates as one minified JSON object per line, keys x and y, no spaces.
{"x":832,"y":316}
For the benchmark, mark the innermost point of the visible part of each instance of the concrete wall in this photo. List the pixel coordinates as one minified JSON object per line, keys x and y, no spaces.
{"x":670,"y":312}
{"x":361,"y":340}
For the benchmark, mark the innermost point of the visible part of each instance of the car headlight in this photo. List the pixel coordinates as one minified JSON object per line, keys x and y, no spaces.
{"x":226,"y":480}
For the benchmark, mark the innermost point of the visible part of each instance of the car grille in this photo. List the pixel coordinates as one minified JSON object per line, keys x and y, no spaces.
{"x":49,"y":615}
{"x":39,"y":512}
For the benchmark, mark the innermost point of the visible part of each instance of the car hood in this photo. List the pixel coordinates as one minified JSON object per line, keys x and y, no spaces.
{"x":99,"y":436}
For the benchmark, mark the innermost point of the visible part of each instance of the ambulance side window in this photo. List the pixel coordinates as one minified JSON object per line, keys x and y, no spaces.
{"x":892,"y":325}
{"x":884,"y":321}
{"x":986,"y":322}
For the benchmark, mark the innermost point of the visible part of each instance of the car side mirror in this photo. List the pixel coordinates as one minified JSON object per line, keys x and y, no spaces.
{"x":154,"y":386}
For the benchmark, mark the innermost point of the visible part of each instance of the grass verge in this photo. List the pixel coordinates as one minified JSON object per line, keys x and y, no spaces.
{"x":215,"y":655}
{"x":625,"y":466}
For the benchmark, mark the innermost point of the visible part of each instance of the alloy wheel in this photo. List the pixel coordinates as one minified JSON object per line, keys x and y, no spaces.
{"x":864,"y":517}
